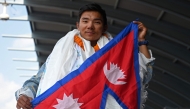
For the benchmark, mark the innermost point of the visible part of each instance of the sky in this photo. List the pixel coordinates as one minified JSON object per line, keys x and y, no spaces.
{"x":11,"y":79}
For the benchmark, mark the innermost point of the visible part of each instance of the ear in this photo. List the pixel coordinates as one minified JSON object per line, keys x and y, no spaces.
{"x":105,"y":28}
{"x":77,"y":25}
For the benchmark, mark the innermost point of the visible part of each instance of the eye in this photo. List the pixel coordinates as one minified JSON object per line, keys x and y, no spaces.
{"x":98,"y":22}
{"x":84,"y":21}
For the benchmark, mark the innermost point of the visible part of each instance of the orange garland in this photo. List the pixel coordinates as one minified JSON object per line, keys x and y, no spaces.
{"x":78,"y":41}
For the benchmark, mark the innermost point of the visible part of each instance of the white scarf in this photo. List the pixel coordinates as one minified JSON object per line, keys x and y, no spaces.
{"x":62,"y":59}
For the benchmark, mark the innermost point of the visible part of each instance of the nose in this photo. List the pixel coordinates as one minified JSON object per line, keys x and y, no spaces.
{"x":90,"y":25}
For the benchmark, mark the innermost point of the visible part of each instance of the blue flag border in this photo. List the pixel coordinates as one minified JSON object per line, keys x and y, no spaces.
{"x":91,"y":60}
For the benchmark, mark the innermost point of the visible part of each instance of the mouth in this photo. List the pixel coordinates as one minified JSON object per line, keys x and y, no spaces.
{"x":90,"y":33}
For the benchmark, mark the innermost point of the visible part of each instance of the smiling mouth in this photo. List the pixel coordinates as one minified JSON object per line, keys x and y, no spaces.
{"x":90,"y":33}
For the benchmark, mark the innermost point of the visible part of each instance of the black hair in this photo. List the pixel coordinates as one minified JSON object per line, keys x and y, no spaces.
{"x":93,"y":7}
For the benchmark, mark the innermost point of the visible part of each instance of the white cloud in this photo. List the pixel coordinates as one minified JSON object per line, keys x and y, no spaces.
{"x":23,"y":43}
{"x":7,"y":97}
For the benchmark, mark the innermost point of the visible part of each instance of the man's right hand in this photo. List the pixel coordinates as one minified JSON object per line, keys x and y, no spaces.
{"x":24,"y":102}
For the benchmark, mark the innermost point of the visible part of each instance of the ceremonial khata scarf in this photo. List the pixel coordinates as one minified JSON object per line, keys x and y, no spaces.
{"x":63,"y":56}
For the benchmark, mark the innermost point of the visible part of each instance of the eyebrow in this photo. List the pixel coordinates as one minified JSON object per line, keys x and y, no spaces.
{"x":98,"y":19}
{"x":84,"y":18}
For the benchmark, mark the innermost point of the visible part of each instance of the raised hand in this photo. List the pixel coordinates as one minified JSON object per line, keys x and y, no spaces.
{"x":23,"y":102}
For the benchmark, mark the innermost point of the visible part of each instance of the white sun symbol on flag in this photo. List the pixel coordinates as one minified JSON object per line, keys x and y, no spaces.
{"x":114,"y":74}
{"x":68,"y":102}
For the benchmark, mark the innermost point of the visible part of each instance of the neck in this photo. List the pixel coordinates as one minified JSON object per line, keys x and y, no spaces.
{"x":93,"y":43}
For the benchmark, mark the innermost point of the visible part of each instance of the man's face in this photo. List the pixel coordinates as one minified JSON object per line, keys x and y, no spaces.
{"x":91,"y":25}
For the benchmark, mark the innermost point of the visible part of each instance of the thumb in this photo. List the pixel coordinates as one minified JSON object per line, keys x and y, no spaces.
{"x":30,"y":98}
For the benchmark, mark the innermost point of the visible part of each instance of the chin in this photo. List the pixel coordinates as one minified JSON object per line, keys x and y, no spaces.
{"x":89,"y":38}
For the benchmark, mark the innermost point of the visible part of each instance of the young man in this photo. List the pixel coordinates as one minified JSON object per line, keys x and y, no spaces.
{"x":81,"y":43}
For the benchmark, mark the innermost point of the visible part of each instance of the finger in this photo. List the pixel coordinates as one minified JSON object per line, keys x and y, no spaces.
{"x":140,"y":24}
{"x":17,"y":106}
{"x":30,"y":98}
{"x":23,"y":104}
{"x":142,"y":27}
{"x":26,"y":108}
{"x":137,"y":22}
{"x":24,"y":101}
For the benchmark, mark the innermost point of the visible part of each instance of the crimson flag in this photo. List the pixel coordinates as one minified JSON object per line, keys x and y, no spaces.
{"x":114,"y":70}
